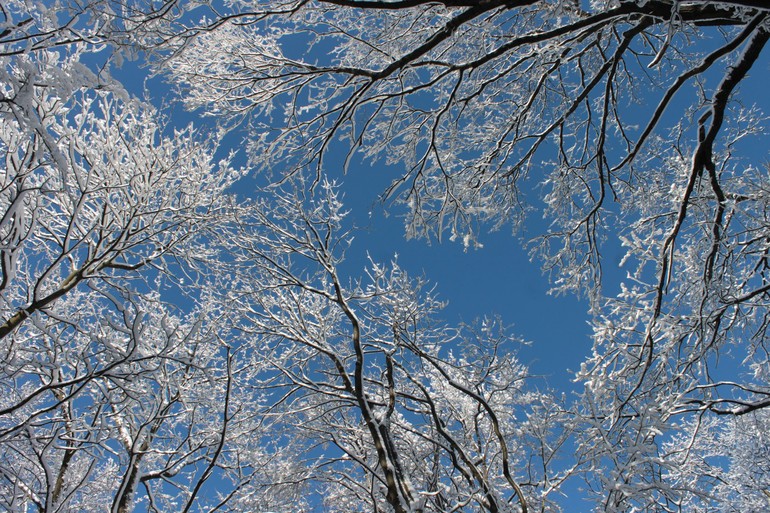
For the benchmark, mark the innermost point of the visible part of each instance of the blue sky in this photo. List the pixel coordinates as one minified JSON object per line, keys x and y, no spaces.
{"x":496,"y":279}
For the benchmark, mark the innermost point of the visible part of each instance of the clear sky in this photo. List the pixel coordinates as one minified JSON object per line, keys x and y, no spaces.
{"x":496,"y":279}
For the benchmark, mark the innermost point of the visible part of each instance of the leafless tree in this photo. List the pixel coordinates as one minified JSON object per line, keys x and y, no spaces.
{"x":623,"y":122}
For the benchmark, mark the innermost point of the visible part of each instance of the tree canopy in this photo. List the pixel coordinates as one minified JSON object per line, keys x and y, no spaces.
{"x":165,"y":337}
